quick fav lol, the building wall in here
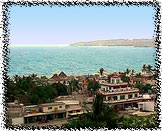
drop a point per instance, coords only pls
(15, 110)
(115, 80)
(53, 108)
(146, 106)
(73, 111)
(126, 96)
(18, 121)
(104, 88)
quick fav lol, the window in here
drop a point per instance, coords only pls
(136, 95)
(117, 81)
(113, 81)
(122, 97)
(49, 108)
(115, 98)
(138, 82)
(129, 96)
(102, 89)
(56, 108)
(104, 98)
(109, 98)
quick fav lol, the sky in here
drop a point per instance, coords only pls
(45, 25)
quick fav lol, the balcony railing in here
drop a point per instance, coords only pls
(125, 100)
(113, 84)
(118, 91)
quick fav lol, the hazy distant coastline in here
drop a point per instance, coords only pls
(118, 42)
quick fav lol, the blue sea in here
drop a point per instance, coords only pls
(77, 60)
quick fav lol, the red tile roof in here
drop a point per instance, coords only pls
(114, 76)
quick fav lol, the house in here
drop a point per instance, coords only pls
(20, 115)
(52, 107)
(47, 112)
(146, 106)
(57, 79)
(15, 113)
(119, 93)
(142, 79)
(31, 109)
(73, 106)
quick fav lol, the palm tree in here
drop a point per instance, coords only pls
(138, 75)
(101, 71)
(133, 72)
(101, 116)
(33, 76)
(127, 71)
(104, 113)
(149, 68)
(16, 78)
(143, 68)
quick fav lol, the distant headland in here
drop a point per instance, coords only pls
(118, 42)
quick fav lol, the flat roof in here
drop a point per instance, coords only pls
(31, 106)
(44, 113)
(69, 102)
(52, 104)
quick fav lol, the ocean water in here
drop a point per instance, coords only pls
(77, 60)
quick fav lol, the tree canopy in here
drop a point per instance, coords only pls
(33, 90)
(93, 86)
(145, 88)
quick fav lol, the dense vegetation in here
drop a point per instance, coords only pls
(145, 88)
(73, 86)
(33, 90)
(140, 122)
(125, 79)
(93, 86)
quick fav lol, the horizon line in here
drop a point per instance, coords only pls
(49, 45)
(34, 45)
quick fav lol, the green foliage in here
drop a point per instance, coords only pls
(34, 99)
(127, 71)
(80, 124)
(54, 75)
(104, 113)
(73, 85)
(36, 90)
(101, 71)
(145, 88)
(93, 86)
(125, 79)
(11, 92)
(139, 122)
(61, 89)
